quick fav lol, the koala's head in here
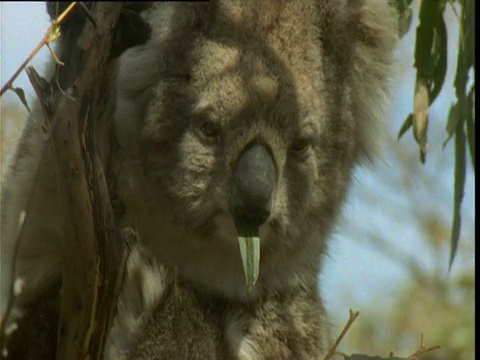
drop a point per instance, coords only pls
(252, 117)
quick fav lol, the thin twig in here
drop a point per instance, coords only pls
(61, 17)
(46, 39)
(23, 215)
(351, 319)
(422, 350)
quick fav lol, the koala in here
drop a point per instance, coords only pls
(235, 119)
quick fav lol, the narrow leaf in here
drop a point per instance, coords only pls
(453, 116)
(468, 26)
(430, 46)
(250, 252)
(459, 188)
(405, 126)
(439, 58)
(420, 118)
(21, 95)
(470, 121)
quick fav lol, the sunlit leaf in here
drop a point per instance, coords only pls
(431, 65)
(250, 252)
(431, 47)
(420, 118)
(426, 46)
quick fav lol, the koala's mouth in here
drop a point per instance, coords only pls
(251, 204)
(248, 238)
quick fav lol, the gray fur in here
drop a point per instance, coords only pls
(276, 72)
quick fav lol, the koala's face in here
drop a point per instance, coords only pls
(247, 132)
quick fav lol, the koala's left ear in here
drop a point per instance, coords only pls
(374, 28)
(362, 36)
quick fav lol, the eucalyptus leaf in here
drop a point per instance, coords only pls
(407, 124)
(452, 121)
(459, 188)
(470, 121)
(250, 252)
(469, 26)
(21, 95)
(439, 70)
(420, 118)
(431, 46)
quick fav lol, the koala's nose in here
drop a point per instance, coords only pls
(251, 200)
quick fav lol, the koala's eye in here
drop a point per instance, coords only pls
(208, 129)
(300, 146)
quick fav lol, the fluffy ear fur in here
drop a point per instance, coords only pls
(307, 81)
(359, 40)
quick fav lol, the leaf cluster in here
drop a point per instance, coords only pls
(431, 68)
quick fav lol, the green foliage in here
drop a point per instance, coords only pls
(431, 65)
(438, 306)
(463, 114)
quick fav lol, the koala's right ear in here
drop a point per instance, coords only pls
(132, 29)
(360, 37)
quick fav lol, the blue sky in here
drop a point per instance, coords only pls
(352, 267)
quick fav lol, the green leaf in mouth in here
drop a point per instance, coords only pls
(250, 251)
